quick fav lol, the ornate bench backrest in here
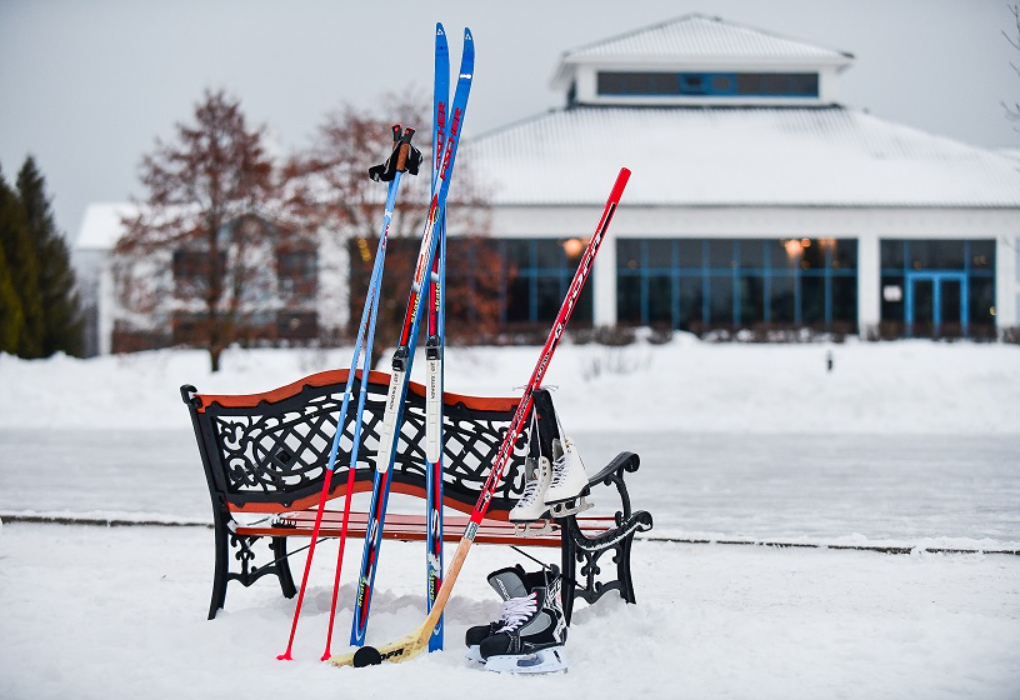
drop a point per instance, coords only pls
(269, 452)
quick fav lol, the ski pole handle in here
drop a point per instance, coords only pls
(404, 150)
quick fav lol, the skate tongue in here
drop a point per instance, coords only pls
(509, 582)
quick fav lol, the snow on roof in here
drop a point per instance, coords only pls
(1013, 153)
(101, 226)
(737, 156)
(699, 39)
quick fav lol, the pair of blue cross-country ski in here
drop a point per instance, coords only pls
(428, 282)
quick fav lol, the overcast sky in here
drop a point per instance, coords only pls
(86, 87)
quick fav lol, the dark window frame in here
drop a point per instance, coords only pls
(706, 84)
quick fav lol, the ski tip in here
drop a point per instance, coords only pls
(467, 35)
(439, 29)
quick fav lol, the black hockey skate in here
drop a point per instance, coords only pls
(532, 634)
(510, 583)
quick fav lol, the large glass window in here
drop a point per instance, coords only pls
(701, 284)
(536, 275)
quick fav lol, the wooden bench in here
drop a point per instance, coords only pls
(265, 456)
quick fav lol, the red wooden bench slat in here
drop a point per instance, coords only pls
(405, 527)
(339, 377)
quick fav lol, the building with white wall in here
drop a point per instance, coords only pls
(757, 200)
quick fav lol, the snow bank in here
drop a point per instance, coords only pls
(905, 387)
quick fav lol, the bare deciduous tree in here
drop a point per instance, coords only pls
(334, 193)
(213, 216)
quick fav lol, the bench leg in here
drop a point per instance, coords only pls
(568, 566)
(623, 574)
(578, 549)
(243, 548)
(279, 549)
(221, 570)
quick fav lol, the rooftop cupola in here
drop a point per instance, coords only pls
(698, 60)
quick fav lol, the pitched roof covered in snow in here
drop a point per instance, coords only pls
(101, 226)
(737, 157)
(700, 60)
(696, 40)
(696, 37)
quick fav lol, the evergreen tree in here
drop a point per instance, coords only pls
(22, 265)
(63, 323)
(11, 319)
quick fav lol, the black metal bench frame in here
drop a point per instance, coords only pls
(267, 453)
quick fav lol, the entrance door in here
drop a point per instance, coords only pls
(936, 304)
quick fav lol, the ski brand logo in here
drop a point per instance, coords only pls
(434, 522)
(391, 400)
(451, 142)
(440, 133)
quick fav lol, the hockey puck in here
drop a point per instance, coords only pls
(367, 656)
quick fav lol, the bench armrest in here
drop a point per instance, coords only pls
(613, 475)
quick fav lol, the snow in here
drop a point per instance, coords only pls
(101, 225)
(690, 386)
(909, 443)
(119, 613)
(763, 157)
(697, 38)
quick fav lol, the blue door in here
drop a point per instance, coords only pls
(936, 304)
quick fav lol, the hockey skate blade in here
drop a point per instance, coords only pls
(576, 497)
(551, 660)
(532, 528)
(572, 506)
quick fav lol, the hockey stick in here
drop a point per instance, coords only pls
(415, 643)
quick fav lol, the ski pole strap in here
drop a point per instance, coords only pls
(404, 159)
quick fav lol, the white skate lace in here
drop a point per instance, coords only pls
(559, 471)
(516, 611)
(530, 493)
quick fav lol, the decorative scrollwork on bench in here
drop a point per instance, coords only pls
(282, 448)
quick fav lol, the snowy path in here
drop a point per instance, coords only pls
(118, 613)
(935, 491)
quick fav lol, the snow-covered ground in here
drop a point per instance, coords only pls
(118, 614)
(907, 387)
(908, 443)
